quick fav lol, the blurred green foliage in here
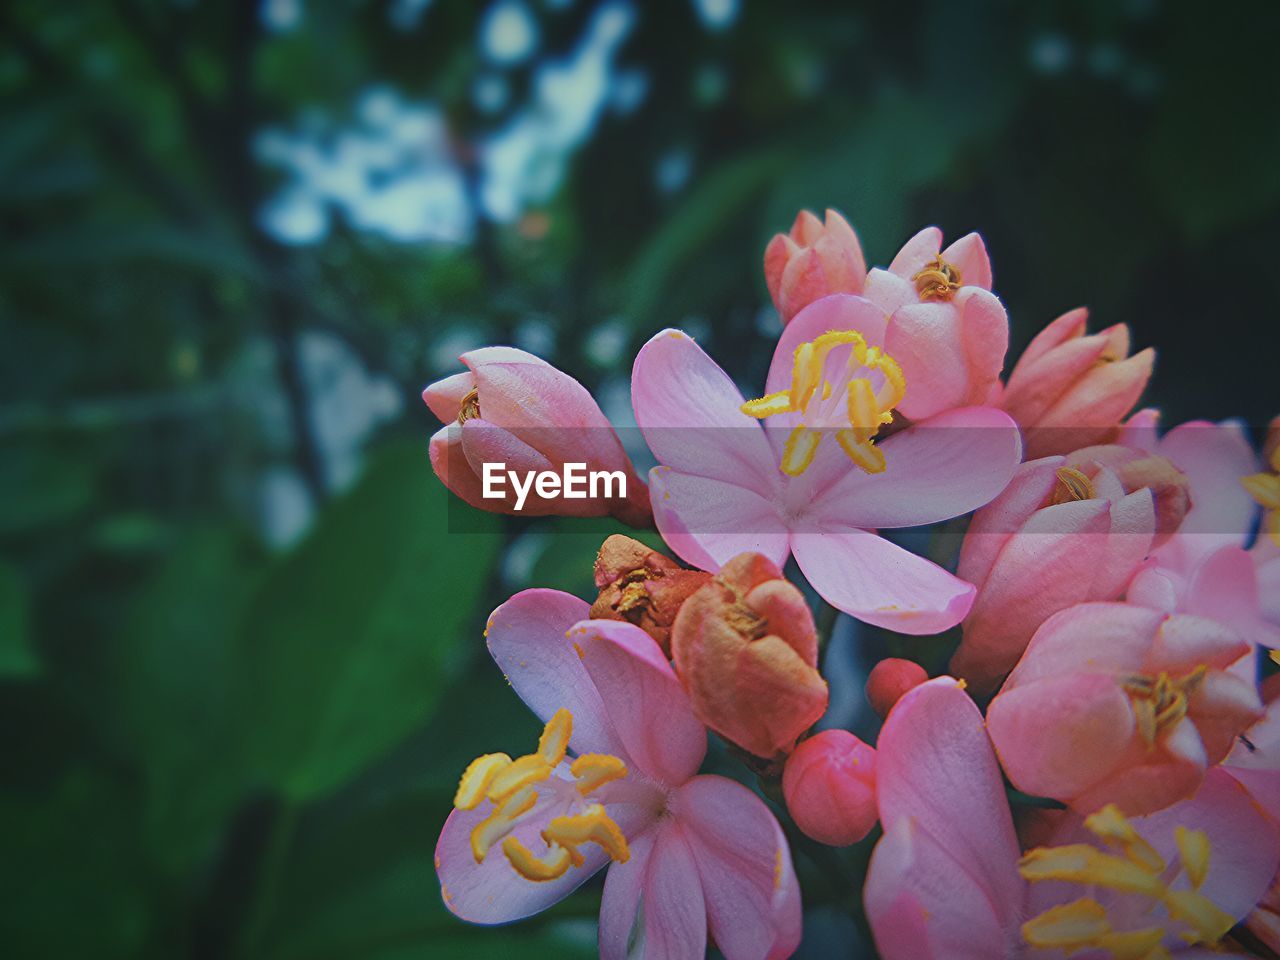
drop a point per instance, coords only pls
(225, 740)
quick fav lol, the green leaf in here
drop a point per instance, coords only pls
(173, 694)
(351, 639)
(17, 660)
(69, 886)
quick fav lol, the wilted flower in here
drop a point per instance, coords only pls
(830, 787)
(746, 649)
(1115, 703)
(641, 586)
(509, 407)
(614, 777)
(813, 260)
(1069, 390)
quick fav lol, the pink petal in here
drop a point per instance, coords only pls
(836, 312)
(1224, 707)
(1214, 457)
(526, 637)
(947, 465)
(878, 582)
(1183, 642)
(646, 706)
(654, 901)
(993, 525)
(708, 522)
(1059, 736)
(1224, 586)
(690, 414)
(1098, 637)
(985, 329)
(925, 339)
(492, 892)
(449, 461)
(444, 397)
(1035, 385)
(969, 255)
(888, 291)
(936, 768)
(752, 897)
(923, 903)
(916, 252)
(1069, 326)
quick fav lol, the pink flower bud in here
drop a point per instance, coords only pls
(814, 260)
(1069, 390)
(643, 587)
(830, 787)
(746, 649)
(513, 408)
(889, 680)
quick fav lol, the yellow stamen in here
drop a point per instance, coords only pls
(594, 770)
(552, 864)
(1072, 485)
(864, 412)
(801, 446)
(500, 822)
(1193, 850)
(1111, 826)
(1160, 702)
(1141, 944)
(554, 741)
(768, 405)
(862, 452)
(521, 772)
(591, 826)
(1209, 922)
(1081, 863)
(939, 280)
(1265, 488)
(477, 778)
(469, 408)
(1069, 926)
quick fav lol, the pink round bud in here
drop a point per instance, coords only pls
(830, 787)
(889, 680)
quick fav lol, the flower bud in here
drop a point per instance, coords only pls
(889, 680)
(830, 787)
(814, 260)
(1170, 488)
(1069, 390)
(513, 408)
(746, 650)
(643, 587)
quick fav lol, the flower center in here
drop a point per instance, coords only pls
(1136, 869)
(939, 280)
(1265, 489)
(1072, 485)
(837, 383)
(510, 785)
(469, 409)
(1160, 702)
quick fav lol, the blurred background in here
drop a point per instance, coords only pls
(241, 663)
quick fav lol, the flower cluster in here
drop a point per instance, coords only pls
(1098, 776)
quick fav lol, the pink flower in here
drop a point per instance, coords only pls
(1054, 538)
(511, 407)
(1254, 761)
(813, 260)
(830, 786)
(1069, 390)
(726, 486)
(1264, 486)
(946, 328)
(746, 650)
(1115, 703)
(946, 881)
(692, 855)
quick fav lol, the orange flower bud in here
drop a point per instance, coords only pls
(746, 649)
(641, 586)
(889, 680)
(830, 787)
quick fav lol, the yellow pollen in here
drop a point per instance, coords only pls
(1083, 924)
(1072, 485)
(1265, 489)
(469, 408)
(939, 280)
(512, 787)
(862, 395)
(1160, 702)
